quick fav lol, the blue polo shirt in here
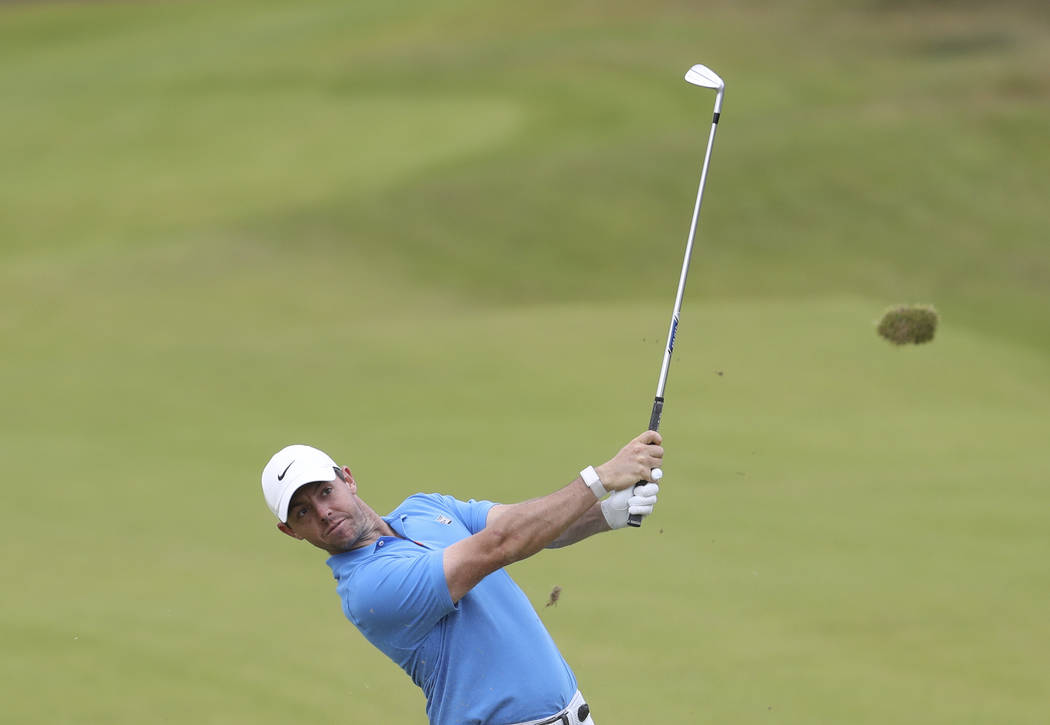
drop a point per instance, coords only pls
(486, 660)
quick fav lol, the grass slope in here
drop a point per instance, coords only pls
(440, 242)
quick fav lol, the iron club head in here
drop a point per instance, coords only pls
(701, 75)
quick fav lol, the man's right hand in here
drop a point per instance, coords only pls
(635, 462)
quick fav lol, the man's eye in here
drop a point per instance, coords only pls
(327, 490)
(300, 513)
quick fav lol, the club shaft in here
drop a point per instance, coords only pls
(665, 367)
(673, 330)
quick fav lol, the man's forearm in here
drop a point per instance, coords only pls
(526, 528)
(512, 533)
(592, 522)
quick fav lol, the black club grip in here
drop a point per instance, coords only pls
(635, 520)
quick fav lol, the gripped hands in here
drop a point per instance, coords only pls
(635, 462)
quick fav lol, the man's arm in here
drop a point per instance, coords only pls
(610, 514)
(592, 522)
(518, 531)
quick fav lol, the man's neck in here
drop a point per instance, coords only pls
(377, 529)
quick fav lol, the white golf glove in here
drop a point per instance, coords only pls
(621, 504)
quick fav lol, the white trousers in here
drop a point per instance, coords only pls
(568, 716)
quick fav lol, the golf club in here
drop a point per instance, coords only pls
(698, 75)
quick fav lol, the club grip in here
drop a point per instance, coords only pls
(635, 520)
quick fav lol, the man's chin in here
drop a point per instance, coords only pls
(341, 545)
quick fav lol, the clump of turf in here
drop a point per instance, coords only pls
(906, 324)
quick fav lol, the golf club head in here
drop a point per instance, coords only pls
(701, 75)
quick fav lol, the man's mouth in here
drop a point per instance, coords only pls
(333, 527)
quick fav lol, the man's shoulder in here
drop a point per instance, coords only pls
(423, 502)
(470, 515)
(433, 498)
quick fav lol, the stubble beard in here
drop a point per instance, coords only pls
(357, 538)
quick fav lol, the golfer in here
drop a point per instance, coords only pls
(426, 583)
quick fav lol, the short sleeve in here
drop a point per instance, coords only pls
(399, 598)
(472, 514)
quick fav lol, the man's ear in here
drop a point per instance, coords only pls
(286, 529)
(349, 478)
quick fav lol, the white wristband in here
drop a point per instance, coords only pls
(590, 477)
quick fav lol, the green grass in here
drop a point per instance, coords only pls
(441, 242)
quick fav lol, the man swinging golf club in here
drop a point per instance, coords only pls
(426, 583)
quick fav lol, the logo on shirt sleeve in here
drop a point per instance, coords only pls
(443, 520)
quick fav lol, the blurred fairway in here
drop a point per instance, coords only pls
(441, 242)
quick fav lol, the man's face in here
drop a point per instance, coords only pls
(328, 514)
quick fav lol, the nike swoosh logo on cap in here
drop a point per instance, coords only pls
(281, 477)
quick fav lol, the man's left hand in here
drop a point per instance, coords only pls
(621, 504)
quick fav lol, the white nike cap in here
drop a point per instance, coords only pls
(291, 468)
